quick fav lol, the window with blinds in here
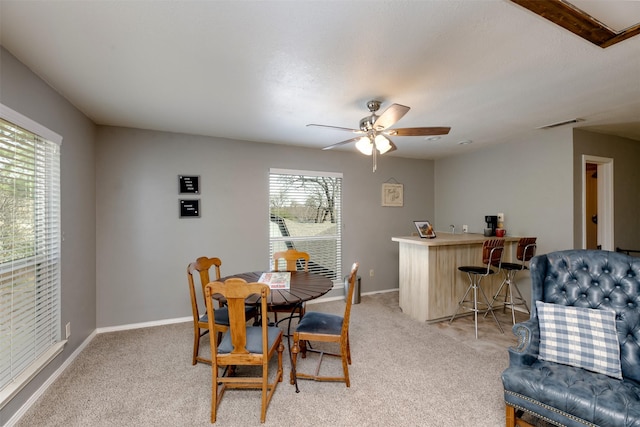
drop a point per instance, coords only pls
(305, 213)
(29, 253)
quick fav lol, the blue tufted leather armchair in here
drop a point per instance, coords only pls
(565, 395)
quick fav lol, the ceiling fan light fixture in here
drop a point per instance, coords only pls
(365, 146)
(382, 144)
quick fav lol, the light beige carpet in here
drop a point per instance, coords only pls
(404, 373)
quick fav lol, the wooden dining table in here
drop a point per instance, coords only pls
(304, 286)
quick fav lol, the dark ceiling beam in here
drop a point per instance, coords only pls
(578, 22)
(623, 35)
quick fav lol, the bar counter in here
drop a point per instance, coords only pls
(429, 280)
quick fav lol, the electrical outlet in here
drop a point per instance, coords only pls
(67, 331)
(371, 273)
(500, 217)
(465, 228)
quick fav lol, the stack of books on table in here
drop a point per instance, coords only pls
(277, 279)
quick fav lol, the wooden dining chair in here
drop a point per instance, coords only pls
(295, 260)
(202, 266)
(325, 327)
(200, 323)
(242, 345)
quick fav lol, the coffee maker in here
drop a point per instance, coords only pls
(492, 224)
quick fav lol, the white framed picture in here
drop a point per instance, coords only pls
(425, 229)
(392, 194)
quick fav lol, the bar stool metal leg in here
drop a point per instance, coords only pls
(509, 285)
(474, 286)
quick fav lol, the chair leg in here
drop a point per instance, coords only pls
(475, 306)
(294, 357)
(510, 416)
(461, 303)
(475, 282)
(345, 363)
(509, 284)
(510, 297)
(280, 354)
(490, 308)
(348, 350)
(519, 297)
(505, 281)
(265, 388)
(196, 345)
(214, 392)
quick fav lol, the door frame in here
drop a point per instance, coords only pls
(605, 201)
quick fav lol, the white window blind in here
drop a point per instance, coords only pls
(29, 252)
(305, 213)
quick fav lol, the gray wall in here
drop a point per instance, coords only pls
(144, 247)
(24, 92)
(529, 180)
(626, 181)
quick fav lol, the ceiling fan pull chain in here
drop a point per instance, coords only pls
(375, 157)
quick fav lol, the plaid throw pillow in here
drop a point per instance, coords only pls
(581, 337)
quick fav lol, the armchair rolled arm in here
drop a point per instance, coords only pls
(526, 351)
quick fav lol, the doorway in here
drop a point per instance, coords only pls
(597, 203)
(591, 206)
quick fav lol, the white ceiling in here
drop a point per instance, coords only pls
(262, 70)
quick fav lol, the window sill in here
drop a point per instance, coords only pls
(10, 391)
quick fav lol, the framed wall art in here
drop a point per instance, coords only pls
(425, 229)
(189, 184)
(190, 208)
(392, 194)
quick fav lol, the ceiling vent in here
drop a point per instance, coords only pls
(555, 125)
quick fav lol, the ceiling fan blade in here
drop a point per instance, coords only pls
(336, 128)
(418, 131)
(337, 144)
(390, 116)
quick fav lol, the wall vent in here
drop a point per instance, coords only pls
(555, 125)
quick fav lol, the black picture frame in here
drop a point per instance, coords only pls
(189, 184)
(425, 229)
(189, 208)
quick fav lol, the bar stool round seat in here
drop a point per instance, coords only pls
(476, 270)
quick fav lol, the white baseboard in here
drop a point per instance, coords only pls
(341, 297)
(144, 324)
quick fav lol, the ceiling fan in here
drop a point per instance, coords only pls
(374, 130)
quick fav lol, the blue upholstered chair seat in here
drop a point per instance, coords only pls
(254, 339)
(222, 315)
(565, 394)
(320, 323)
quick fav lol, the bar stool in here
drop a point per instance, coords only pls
(525, 251)
(491, 256)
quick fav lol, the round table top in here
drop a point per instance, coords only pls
(305, 286)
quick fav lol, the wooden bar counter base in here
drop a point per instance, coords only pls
(430, 283)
